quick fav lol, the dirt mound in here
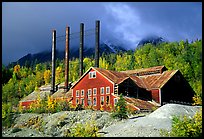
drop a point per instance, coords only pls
(170, 110)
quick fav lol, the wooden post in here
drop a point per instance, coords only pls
(67, 59)
(53, 61)
(81, 48)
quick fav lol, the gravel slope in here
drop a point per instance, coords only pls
(55, 125)
(150, 125)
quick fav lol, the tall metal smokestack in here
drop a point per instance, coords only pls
(67, 59)
(81, 48)
(97, 43)
(53, 60)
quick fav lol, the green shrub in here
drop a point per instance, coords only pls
(88, 130)
(7, 114)
(185, 127)
(120, 109)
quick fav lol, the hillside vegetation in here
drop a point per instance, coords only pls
(18, 82)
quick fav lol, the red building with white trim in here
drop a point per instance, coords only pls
(101, 88)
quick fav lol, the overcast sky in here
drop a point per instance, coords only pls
(27, 26)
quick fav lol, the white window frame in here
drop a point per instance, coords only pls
(76, 100)
(102, 99)
(81, 92)
(81, 101)
(109, 90)
(89, 100)
(101, 90)
(90, 92)
(92, 74)
(95, 102)
(108, 100)
(94, 94)
(77, 93)
(115, 101)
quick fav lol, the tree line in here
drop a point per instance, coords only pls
(19, 81)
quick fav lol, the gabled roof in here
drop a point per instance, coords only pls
(148, 78)
(153, 81)
(113, 76)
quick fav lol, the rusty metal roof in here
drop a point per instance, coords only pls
(149, 81)
(153, 81)
(114, 76)
(146, 71)
(141, 104)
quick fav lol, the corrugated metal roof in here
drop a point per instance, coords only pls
(156, 69)
(153, 81)
(114, 76)
(141, 104)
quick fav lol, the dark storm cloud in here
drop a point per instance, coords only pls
(27, 26)
(173, 21)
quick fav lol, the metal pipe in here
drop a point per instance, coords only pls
(67, 59)
(81, 49)
(53, 61)
(97, 43)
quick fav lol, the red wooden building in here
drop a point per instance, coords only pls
(142, 89)
(101, 88)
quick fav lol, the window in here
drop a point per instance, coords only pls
(92, 74)
(89, 92)
(77, 93)
(82, 92)
(107, 90)
(82, 101)
(102, 100)
(94, 101)
(77, 101)
(89, 101)
(115, 101)
(102, 90)
(94, 91)
(107, 99)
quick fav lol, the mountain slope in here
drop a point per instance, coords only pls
(46, 56)
(153, 39)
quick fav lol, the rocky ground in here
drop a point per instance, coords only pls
(151, 124)
(56, 125)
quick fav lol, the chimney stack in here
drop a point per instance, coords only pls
(67, 59)
(81, 48)
(53, 61)
(97, 43)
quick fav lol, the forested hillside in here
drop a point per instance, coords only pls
(18, 82)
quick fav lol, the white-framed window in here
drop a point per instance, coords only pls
(108, 90)
(107, 99)
(89, 92)
(77, 93)
(92, 74)
(94, 91)
(82, 101)
(115, 101)
(77, 100)
(94, 101)
(102, 100)
(82, 92)
(102, 90)
(89, 101)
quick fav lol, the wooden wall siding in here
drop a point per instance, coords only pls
(155, 95)
(98, 82)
